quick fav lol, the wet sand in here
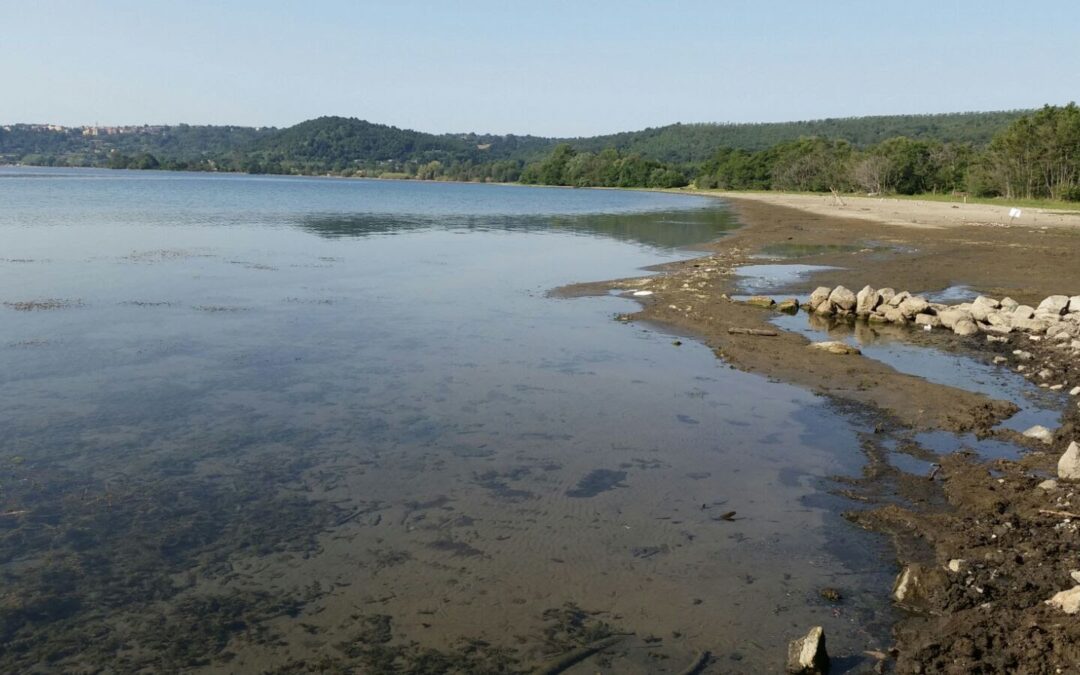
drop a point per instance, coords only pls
(990, 616)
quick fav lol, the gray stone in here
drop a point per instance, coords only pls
(820, 295)
(1069, 463)
(894, 315)
(826, 308)
(1055, 304)
(789, 306)
(887, 294)
(913, 305)
(1040, 433)
(950, 317)
(927, 320)
(866, 301)
(835, 347)
(964, 328)
(760, 301)
(982, 306)
(895, 300)
(807, 655)
(1049, 485)
(1067, 601)
(1030, 325)
(1023, 312)
(1008, 304)
(1074, 304)
(842, 298)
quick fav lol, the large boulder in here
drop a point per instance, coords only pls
(1055, 304)
(913, 305)
(807, 655)
(950, 317)
(927, 320)
(965, 327)
(1074, 304)
(895, 300)
(820, 295)
(887, 294)
(843, 298)
(894, 315)
(1030, 325)
(866, 301)
(1023, 312)
(1069, 464)
(982, 306)
(1008, 304)
(826, 308)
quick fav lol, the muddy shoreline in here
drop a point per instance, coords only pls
(988, 545)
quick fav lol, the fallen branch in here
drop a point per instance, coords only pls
(1065, 514)
(578, 655)
(762, 332)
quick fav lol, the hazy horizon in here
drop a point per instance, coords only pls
(557, 70)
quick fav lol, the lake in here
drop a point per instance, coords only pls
(288, 424)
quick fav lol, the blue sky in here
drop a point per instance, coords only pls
(550, 68)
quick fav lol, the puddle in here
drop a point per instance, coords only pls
(944, 443)
(952, 295)
(765, 279)
(887, 344)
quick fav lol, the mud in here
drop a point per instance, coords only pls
(1017, 543)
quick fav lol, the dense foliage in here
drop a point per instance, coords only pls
(1010, 154)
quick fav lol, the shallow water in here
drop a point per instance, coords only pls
(256, 415)
(764, 279)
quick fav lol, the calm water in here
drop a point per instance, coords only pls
(256, 423)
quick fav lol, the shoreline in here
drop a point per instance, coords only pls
(987, 514)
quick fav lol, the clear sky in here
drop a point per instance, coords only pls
(540, 67)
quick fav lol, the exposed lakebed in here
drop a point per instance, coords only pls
(250, 422)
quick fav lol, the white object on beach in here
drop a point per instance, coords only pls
(1014, 213)
(641, 294)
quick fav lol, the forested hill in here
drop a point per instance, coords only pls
(694, 143)
(339, 144)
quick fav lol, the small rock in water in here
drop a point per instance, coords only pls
(1040, 433)
(835, 347)
(1067, 601)
(789, 306)
(842, 298)
(1069, 464)
(820, 295)
(807, 655)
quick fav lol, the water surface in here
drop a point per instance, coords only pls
(255, 421)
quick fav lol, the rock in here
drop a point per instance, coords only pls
(996, 339)
(1040, 433)
(826, 308)
(1069, 464)
(789, 306)
(950, 317)
(916, 584)
(1000, 359)
(1048, 485)
(887, 294)
(927, 320)
(760, 301)
(914, 305)
(1030, 325)
(996, 318)
(820, 295)
(1021, 355)
(955, 565)
(1075, 391)
(807, 655)
(1074, 304)
(964, 328)
(894, 315)
(895, 300)
(982, 306)
(1055, 304)
(877, 318)
(1008, 304)
(1067, 601)
(1075, 576)
(842, 298)
(835, 347)
(866, 301)
(1023, 312)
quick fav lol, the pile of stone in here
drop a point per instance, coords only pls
(1057, 317)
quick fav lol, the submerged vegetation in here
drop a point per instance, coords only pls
(1033, 155)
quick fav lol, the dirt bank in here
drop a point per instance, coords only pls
(1016, 542)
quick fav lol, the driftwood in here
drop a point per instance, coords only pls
(1065, 514)
(697, 665)
(761, 332)
(578, 655)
